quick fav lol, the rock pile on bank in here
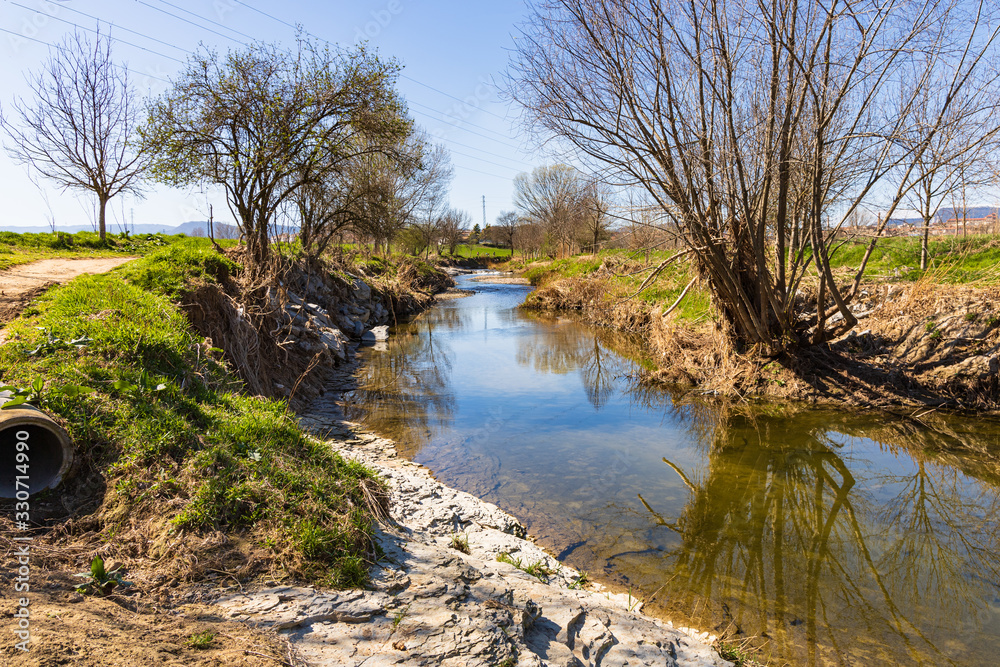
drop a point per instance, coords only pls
(434, 604)
(324, 320)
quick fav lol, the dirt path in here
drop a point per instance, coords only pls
(21, 284)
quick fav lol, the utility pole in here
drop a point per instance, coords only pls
(484, 211)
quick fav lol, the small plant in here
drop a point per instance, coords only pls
(100, 581)
(35, 394)
(398, 618)
(930, 326)
(992, 320)
(52, 344)
(201, 640)
(510, 560)
(581, 581)
(739, 653)
(538, 569)
(971, 316)
(147, 386)
(637, 600)
(460, 542)
(936, 334)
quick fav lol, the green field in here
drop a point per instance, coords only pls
(473, 251)
(953, 259)
(16, 248)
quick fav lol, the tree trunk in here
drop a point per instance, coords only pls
(102, 205)
(924, 244)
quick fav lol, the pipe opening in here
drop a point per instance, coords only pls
(46, 453)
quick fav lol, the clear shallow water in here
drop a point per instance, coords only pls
(834, 538)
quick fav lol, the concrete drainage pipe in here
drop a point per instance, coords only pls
(29, 437)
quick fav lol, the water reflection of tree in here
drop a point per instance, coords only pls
(405, 393)
(798, 542)
(562, 346)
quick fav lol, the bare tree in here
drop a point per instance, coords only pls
(759, 127)
(264, 121)
(454, 227)
(506, 229)
(429, 187)
(399, 188)
(552, 196)
(956, 158)
(529, 237)
(595, 218)
(80, 130)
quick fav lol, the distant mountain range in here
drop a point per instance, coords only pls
(192, 228)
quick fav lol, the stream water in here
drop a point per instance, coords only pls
(830, 537)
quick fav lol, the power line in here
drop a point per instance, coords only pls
(116, 39)
(208, 20)
(476, 157)
(485, 152)
(485, 129)
(190, 22)
(441, 92)
(62, 48)
(274, 18)
(456, 125)
(215, 32)
(403, 76)
(99, 20)
(485, 173)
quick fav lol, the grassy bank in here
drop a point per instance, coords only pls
(929, 338)
(178, 466)
(614, 280)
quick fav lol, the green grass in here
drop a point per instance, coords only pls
(663, 291)
(460, 542)
(737, 652)
(201, 640)
(953, 259)
(16, 248)
(195, 457)
(539, 570)
(472, 251)
(179, 266)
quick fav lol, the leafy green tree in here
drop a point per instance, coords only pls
(264, 122)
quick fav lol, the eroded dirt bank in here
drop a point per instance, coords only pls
(917, 345)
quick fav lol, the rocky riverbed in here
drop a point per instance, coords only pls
(434, 604)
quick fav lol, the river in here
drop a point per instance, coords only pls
(826, 537)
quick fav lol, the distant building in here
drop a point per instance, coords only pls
(990, 219)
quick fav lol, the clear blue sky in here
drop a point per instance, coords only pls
(453, 54)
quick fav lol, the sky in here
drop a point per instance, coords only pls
(453, 55)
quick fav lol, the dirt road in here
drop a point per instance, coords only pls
(21, 284)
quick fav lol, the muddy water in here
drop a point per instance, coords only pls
(828, 537)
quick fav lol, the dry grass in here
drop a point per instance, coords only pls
(929, 343)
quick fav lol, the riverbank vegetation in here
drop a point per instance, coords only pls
(182, 472)
(931, 337)
(759, 177)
